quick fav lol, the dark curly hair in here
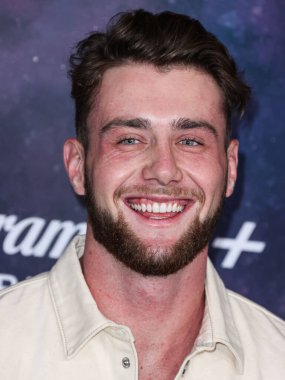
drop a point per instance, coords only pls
(164, 40)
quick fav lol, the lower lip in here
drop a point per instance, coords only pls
(159, 216)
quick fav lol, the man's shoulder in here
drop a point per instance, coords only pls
(28, 290)
(255, 321)
(23, 297)
(26, 314)
(254, 309)
(245, 315)
(24, 286)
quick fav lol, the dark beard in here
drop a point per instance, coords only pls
(125, 246)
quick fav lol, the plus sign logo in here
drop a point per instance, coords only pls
(241, 243)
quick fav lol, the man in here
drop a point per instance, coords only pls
(137, 298)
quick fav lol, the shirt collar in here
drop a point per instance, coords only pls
(218, 325)
(78, 316)
(80, 319)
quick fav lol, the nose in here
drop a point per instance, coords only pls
(161, 166)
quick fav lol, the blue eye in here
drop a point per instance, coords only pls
(189, 142)
(129, 141)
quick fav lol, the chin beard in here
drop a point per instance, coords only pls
(120, 241)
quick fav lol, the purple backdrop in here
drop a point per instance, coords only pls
(39, 213)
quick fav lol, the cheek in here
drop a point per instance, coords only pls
(206, 168)
(110, 170)
(215, 187)
(208, 172)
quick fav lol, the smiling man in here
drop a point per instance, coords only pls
(137, 297)
(159, 171)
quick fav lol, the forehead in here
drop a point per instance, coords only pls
(142, 90)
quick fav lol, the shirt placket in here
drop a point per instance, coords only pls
(125, 356)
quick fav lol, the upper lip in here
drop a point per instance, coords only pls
(157, 199)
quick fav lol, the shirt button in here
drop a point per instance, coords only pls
(126, 362)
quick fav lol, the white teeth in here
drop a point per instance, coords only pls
(157, 208)
(169, 207)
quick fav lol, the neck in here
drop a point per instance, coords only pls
(174, 303)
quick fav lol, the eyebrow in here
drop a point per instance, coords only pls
(185, 123)
(141, 123)
(138, 123)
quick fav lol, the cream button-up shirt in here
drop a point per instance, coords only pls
(51, 329)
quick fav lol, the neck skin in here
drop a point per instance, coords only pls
(174, 303)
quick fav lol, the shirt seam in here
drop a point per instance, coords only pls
(58, 317)
(24, 283)
(209, 314)
(222, 338)
(136, 372)
(254, 305)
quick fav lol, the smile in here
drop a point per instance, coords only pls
(157, 207)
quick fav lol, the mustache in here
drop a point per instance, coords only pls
(142, 190)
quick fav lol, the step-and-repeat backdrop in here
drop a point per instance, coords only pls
(39, 213)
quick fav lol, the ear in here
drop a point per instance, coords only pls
(232, 157)
(73, 156)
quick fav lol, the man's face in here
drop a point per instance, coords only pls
(156, 170)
